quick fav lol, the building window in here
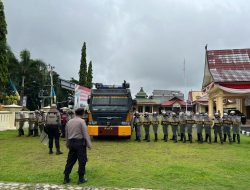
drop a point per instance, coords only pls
(148, 109)
(140, 109)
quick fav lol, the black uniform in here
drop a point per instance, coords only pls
(53, 122)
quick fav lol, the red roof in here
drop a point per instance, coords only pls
(229, 65)
(172, 101)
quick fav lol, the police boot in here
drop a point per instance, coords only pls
(148, 138)
(50, 151)
(19, 132)
(166, 139)
(145, 137)
(190, 138)
(221, 141)
(184, 138)
(81, 180)
(35, 133)
(156, 138)
(225, 137)
(30, 133)
(206, 138)
(209, 138)
(201, 137)
(66, 179)
(234, 136)
(215, 139)
(198, 137)
(181, 139)
(22, 131)
(138, 139)
(58, 152)
(238, 138)
(175, 139)
(230, 139)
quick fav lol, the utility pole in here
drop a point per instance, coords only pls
(50, 68)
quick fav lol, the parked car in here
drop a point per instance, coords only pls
(238, 113)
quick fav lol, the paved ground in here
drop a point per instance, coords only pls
(24, 186)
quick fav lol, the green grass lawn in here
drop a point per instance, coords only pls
(126, 163)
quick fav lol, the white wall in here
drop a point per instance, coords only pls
(7, 120)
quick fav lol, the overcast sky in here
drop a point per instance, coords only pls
(142, 41)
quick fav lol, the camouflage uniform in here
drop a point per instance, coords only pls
(227, 122)
(199, 127)
(182, 127)
(155, 124)
(146, 125)
(36, 123)
(41, 121)
(189, 125)
(236, 128)
(165, 123)
(207, 125)
(218, 129)
(31, 124)
(137, 122)
(174, 122)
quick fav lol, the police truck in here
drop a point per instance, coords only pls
(110, 111)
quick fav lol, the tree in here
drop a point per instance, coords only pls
(89, 75)
(83, 67)
(4, 74)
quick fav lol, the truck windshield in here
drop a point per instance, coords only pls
(110, 103)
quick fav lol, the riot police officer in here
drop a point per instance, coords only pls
(137, 122)
(41, 121)
(236, 126)
(189, 125)
(207, 125)
(182, 126)
(146, 124)
(217, 127)
(199, 126)
(165, 123)
(31, 124)
(227, 122)
(53, 122)
(174, 122)
(21, 124)
(155, 124)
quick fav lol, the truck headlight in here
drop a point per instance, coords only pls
(125, 123)
(93, 123)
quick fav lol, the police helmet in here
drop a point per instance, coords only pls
(154, 113)
(232, 112)
(225, 114)
(216, 114)
(173, 114)
(136, 113)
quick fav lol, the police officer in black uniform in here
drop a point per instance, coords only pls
(53, 122)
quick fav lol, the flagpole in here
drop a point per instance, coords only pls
(185, 81)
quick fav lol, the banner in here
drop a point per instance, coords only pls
(81, 96)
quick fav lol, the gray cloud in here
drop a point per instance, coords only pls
(142, 41)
